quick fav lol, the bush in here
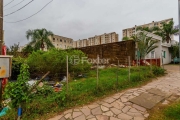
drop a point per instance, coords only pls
(54, 61)
(18, 91)
(16, 64)
(158, 71)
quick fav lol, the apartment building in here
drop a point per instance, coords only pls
(131, 31)
(97, 40)
(61, 42)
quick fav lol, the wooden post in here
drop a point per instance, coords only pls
(67, 74)
(129, 67)
(37, 83)
(151, 63)
(1, 26)
(117, 71)
(179, 28)
(162, 61)
(97, 71)
(156, 62)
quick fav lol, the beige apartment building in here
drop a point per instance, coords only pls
(61, 42)
(131, 31)
(97, 40)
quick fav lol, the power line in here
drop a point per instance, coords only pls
(31, 15)
(19, 8)
(15, 5)
(8, 3)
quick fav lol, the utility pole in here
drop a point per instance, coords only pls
(1, 26)
(179, 29)
(1, 43)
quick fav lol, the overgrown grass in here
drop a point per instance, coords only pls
(170, 112)
(84, 90)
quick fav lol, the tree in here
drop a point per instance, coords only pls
(40, 37)
(28, 49)
(148, 29)
(174, 50)
(125, 38)
(13, 50)
(145, 44)
(166, 31)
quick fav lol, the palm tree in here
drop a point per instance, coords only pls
(165, 32)
(145, 44)
(148, 29)
(40, 37)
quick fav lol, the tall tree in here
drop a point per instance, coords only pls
(40, 38)
(145, 44)
(166, 31)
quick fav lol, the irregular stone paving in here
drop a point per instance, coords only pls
(118, 107)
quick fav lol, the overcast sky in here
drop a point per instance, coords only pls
(79, 19)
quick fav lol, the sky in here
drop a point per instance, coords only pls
(81, 19)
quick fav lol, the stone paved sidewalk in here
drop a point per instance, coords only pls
(118, 107)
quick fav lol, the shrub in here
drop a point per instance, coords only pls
(158, 71)
(16, 64)
(18, 91)
(54, 61)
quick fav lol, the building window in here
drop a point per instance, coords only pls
(152, 54)
(164, 54)
(57, 44)
(53, 38)
(64, 40)
(60, 40)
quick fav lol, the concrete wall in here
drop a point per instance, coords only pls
(167, 57)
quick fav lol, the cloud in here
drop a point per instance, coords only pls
(79, 19)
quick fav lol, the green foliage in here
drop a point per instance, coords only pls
(158, 70)
(83, 91)
(13, 50)
(18, 91)
(174, 50)
(16, 65)
(54, 61)
(40, 38)
(166, 31)
(145, 44)
(28, 49)
(126, 38)
(173, 111)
